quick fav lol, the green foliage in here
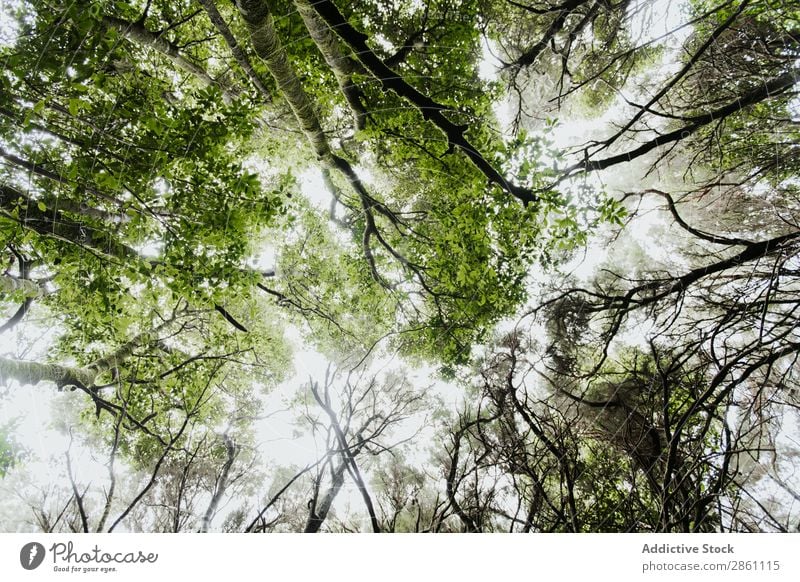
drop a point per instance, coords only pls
(613, 497)
(11, 453)
(139, 212)
(143, 171)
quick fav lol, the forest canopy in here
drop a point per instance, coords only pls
(392, 266)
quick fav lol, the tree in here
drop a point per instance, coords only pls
(355, 418)
(182, 184)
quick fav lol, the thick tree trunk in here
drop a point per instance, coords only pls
(53, 224)
(32, 373)
(268, 47)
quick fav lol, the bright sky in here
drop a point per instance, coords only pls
(276, 433)
(280, 441)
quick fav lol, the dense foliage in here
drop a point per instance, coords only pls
(196, 195)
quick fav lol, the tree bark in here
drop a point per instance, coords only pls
(138, 34)
(237, 52)
(268, 47)
(53, 224)
(319, 512)
(32, 373)
(221, 485)
(342, 65)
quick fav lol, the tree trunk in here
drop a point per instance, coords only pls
(268, 47)
(53, 224)
(429, 109)
(138, 34)
(32, 373)
(342, 65)
(237, 52)
(320, 511)
(221, 485)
